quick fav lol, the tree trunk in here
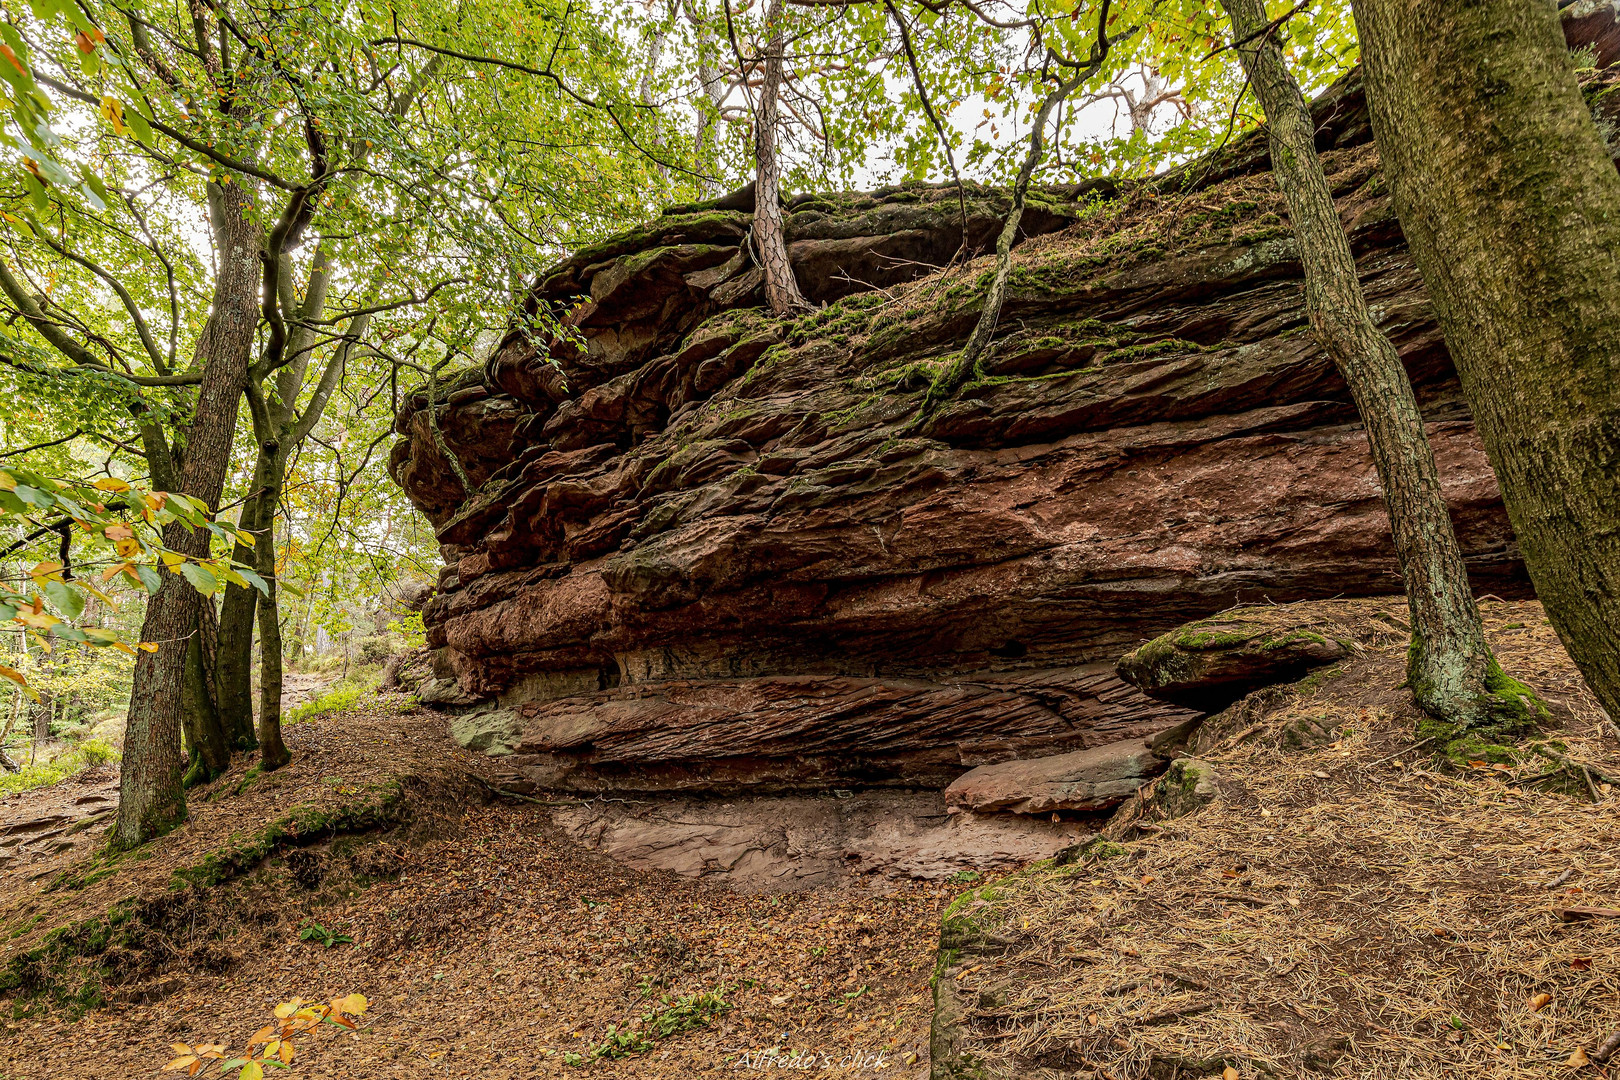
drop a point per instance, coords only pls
(43, 710)
(1450, 667)
(966, 364)
(781, 287)
(234, 667)
(1511, 204)
(151, 799)
(273, 753)
(209, 752)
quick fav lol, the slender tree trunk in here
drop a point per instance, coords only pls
(966, 364)
(1511, 204)
(1450, 667)
(234, 670)
(713, 86)
(781, 287)
(151, 799)
(273, 753)
(44, 709)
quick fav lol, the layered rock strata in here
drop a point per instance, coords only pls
(712, 549)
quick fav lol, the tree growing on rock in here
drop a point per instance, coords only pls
(1452, 672)
(1510, 200)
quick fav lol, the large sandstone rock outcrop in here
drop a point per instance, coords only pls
(712, 549)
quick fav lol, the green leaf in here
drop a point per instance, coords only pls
(200, 577)
(137, 123)
(34, 497)
(65, 598)
(36, 191)
(258, 582)
(150, 578)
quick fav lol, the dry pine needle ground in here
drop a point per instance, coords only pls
(1346, 910)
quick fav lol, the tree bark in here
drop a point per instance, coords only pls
(273, 753)
(781, 287)
(1511, 204)
(234, 666)
(209, 753)
(1450, 667)
(151, 799)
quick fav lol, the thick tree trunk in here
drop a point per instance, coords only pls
(781, 287)
(210, 754)
(234, 666)
(1451, 670)
(1511, 205)
(151, 799)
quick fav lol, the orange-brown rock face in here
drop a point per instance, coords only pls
(715, 549)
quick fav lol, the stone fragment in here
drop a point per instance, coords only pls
(1084, 780)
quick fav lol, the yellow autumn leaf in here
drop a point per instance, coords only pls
(12, 674)
(147, 646)
(1578, 1060)
(7, 482)
(246, 538)
(285, 1053)
(287, 1008)
(354, 1004)
(264, 1034)
(111, 483)
(253, 1071)
(181, 1062)
(112, 111)
(172, 559)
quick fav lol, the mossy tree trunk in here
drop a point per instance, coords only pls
(1511, 205)
(273, 752)
(210, 754)
(1450, 667)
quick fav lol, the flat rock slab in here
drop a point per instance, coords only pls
(1085, 780)
(787, 843)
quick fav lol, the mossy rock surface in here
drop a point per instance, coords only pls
(1211, 663)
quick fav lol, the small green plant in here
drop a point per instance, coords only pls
(678, 1015)
(619, 1044)
(314, 931)
(963, 877)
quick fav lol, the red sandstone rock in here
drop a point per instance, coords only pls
(713, 549)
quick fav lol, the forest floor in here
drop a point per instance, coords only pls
(488, 944)
(1350, 908)
(1349, 905)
